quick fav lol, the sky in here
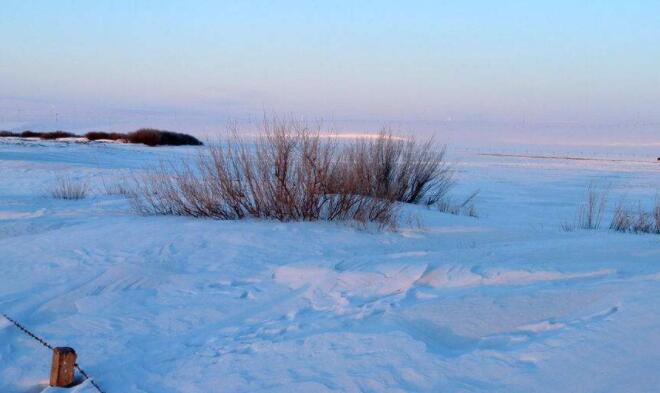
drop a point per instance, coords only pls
(514, 70)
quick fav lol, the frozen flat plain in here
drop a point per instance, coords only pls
(507, 302)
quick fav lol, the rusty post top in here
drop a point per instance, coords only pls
(64, 350)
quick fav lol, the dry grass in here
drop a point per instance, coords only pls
(467, 207)
(622, 219)
(590, 213)
(70, 189)
(643, 222)
(568, 226)
(116, 187)
(626, 219)
(291, 173)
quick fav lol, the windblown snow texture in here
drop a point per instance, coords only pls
(506, 302)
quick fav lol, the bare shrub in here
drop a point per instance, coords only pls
(290, 173)
(5, 134)
(67, 188)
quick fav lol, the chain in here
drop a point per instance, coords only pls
(84, 374)
(29, 333)
(45, 344)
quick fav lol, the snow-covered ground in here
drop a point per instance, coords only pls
(506, 302)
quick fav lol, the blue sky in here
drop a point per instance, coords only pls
(468, 66)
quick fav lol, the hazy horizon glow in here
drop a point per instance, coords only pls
(472, 68)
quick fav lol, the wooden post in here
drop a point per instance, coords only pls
(62, 370)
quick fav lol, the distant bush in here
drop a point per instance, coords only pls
(30, 134)
(97, 135)
(147, 136)
(56, 135)
(34, 134)
(154, 137)
(45, 135)
(67, 188)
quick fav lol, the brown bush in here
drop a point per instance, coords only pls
(30, 134)
(147, 136)
(56, 135)
(97, 135)
(154, 137)
(46, 135)
(291, 173)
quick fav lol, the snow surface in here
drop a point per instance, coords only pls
(506, 302)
